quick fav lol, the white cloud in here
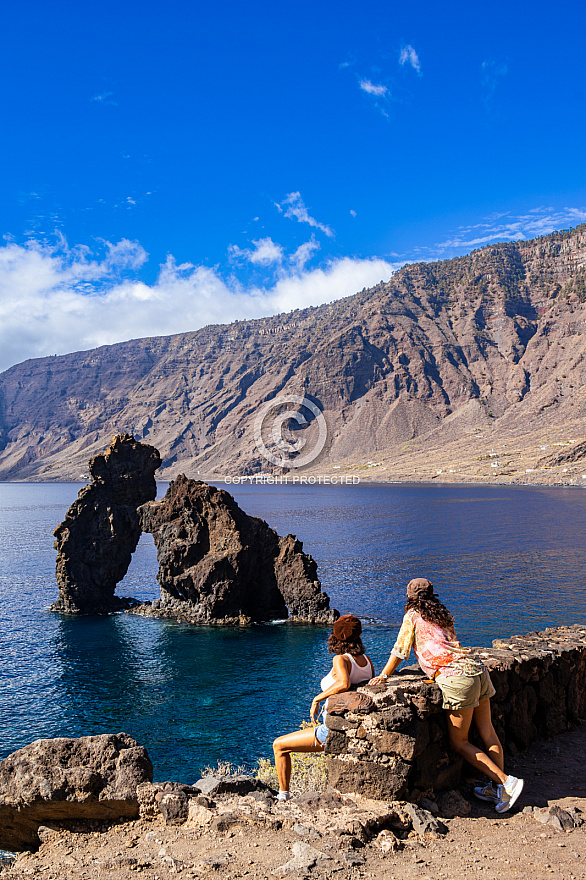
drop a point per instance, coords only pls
(367, 86)
(295, 208)
(340, 278)
(105, 98)
(409, 56)
(124, 255)
(265, 252)
(507, 227)
(491, 73)
(59, 299)
(304, 253)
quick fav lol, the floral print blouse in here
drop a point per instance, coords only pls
(437, 650)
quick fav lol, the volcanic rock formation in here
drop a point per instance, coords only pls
(101, 529)
(63, 780)
(217, 564)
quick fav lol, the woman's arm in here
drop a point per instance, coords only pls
(342, 683)
(401, 650)
(387, 670)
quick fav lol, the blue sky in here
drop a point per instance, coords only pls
(167, 166)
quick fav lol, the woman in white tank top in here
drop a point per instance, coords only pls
(350, 666)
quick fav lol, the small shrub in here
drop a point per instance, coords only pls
(224, 768)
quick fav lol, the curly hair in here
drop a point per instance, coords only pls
(432, 610)
(345, 646)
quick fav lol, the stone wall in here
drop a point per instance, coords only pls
(390, 741)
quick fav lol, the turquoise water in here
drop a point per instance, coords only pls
(504, 559)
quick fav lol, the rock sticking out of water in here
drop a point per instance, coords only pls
(217, 564)
(101, 529)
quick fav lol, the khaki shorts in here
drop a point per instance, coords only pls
(465, 691)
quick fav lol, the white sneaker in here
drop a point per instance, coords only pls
(508, 793)
(283, 796)
(487, 793)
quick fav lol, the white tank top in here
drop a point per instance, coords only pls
(358, 673)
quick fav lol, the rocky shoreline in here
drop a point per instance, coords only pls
(244, 835)
(402, 807)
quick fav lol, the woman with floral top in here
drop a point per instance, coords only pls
(428, 628)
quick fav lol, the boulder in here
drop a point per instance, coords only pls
(101, 529)
(558, 818)
(452, 804)
(236, 783)
(171, 799)
(217, 564)
(63, 780)
(304, 858)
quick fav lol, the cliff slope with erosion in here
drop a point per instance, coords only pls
(471, 367)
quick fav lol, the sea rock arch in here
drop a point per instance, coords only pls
(217, 564)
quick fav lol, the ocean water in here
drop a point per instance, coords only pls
(504, 560)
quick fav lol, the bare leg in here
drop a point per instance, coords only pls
(492, 744)
(299, 741)
(458, 729)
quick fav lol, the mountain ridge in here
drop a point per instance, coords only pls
(410, 374)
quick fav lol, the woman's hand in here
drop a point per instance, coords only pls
(392, 663)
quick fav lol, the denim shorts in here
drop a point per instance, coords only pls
(321, 732)
(465, 691)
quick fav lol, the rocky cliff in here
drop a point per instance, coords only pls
(473, 367)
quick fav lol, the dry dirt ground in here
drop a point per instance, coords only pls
(482, 844)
